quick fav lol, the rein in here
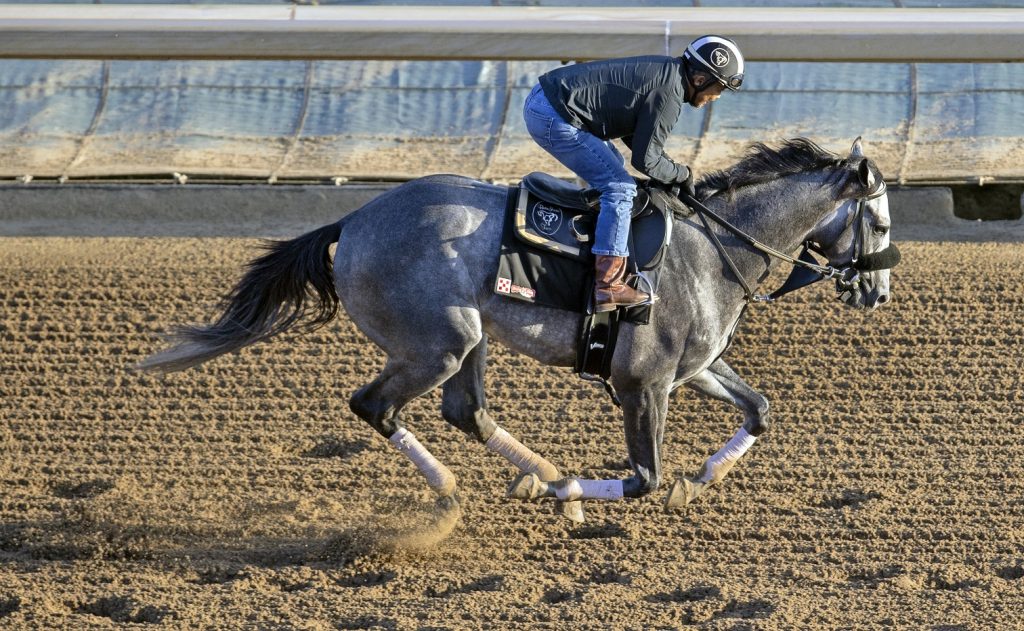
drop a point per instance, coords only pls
(845, 277)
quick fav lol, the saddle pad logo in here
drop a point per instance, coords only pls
(719, 57)
(506, 286)
(547, 219)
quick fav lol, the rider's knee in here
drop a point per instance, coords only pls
(619, 192)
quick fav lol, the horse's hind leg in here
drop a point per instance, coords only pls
(464, 405)
(379, 403)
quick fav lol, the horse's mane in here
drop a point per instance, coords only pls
(763, 163)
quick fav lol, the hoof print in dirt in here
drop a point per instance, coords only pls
(124, 609)
(696, 593)
(9, 606)
(82, 490)
(218, 575)
(698, 604)
(368, 622)
(1011, 572)
(600, 531)
(557, 595)
(490, 583)
(953, 579)
(757, 608)
(851, 498)
(873, 577)
(368, 579)
(610, 575)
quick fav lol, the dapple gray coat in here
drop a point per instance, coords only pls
(414, 269)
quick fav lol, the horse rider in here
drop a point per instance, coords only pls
(575, 111)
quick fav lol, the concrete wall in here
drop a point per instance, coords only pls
(918, 213)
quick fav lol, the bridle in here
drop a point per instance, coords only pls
(806, 269)
(858, 223)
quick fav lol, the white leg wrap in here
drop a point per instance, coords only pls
(438, 476)
(719, 464)
(574, 489)
(501, 442)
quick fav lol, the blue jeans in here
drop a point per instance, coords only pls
(597, 161)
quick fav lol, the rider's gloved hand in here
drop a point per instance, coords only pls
(686, 184)
(672, 188)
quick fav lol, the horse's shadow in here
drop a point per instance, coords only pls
(328, 446)
(62, 539)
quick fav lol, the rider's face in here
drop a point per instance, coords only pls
(708, 94)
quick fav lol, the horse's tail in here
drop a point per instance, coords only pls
(294, 279)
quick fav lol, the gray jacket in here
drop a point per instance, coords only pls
(637, 99)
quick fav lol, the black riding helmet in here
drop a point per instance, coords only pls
(718, 56)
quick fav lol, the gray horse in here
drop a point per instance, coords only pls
(414, 269)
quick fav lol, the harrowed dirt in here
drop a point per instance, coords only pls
(245, 494)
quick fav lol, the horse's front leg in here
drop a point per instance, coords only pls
(721, 382)
(644, 412)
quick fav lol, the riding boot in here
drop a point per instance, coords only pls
(610, 288)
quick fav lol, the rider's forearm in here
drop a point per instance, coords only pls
(662, 168)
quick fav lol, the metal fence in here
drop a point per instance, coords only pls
(400, 119)
(404, 119)
(966, 4)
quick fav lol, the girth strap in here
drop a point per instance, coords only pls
(595, 346)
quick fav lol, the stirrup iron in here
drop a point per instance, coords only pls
(648, 289)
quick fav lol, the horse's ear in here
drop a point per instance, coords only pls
(866, 175)
(857, 150)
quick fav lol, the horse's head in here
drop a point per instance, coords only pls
(856, 235)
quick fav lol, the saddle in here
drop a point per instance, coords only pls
(559, 217)
(545, 259)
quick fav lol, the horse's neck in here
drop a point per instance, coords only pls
(778, 214)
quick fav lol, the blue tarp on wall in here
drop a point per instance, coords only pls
(403, 119)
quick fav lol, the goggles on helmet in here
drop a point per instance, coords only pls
(734, 82)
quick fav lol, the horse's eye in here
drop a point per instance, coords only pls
(881, 230)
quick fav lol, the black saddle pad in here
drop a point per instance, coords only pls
(542, 260)
(567, 231)
(540, 276)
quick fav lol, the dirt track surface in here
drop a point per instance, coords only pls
(245, 494)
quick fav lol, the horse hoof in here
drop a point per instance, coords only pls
(572, 510)
(682, 493)
(444, 516)
(446, 505)
(527, 486)
(445, 486)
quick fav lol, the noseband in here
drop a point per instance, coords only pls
(875, 261)
(806, 269)
(849, 275)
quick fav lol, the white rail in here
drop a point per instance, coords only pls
(512, 33)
